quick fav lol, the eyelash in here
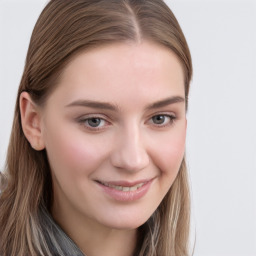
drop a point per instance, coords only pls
(84, 121)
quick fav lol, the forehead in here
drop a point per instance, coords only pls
(131, 69)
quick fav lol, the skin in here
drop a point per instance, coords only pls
(134, 141)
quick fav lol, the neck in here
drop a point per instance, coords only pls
(110, 243)
(94, 239)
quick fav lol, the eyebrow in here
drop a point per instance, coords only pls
(166, 102)
(112, 107)
(93, 104)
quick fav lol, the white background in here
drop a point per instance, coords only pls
(221, 144)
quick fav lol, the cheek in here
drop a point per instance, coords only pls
(74, 154)
(169, 154)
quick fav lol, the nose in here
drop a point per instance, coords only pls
(130, 153)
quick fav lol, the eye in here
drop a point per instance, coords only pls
(93, 123)
(162, 120)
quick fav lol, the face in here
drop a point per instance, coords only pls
(114, 131)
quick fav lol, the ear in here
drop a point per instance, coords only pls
(31, 121)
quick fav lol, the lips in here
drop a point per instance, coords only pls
(125, 191)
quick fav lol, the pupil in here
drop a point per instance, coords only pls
(158, 119)
(94, 122)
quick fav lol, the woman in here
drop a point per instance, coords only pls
(95, 163)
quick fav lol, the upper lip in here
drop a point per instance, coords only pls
(125, 183)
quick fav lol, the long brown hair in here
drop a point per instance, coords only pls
(63, 30)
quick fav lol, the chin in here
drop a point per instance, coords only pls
(126, 222)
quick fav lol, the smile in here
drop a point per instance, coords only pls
(123, 188)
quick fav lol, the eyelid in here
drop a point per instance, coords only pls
(163, 113)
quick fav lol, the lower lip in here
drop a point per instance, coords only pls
(120, 195)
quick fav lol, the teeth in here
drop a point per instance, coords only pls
(125, 189)
(133, 188)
